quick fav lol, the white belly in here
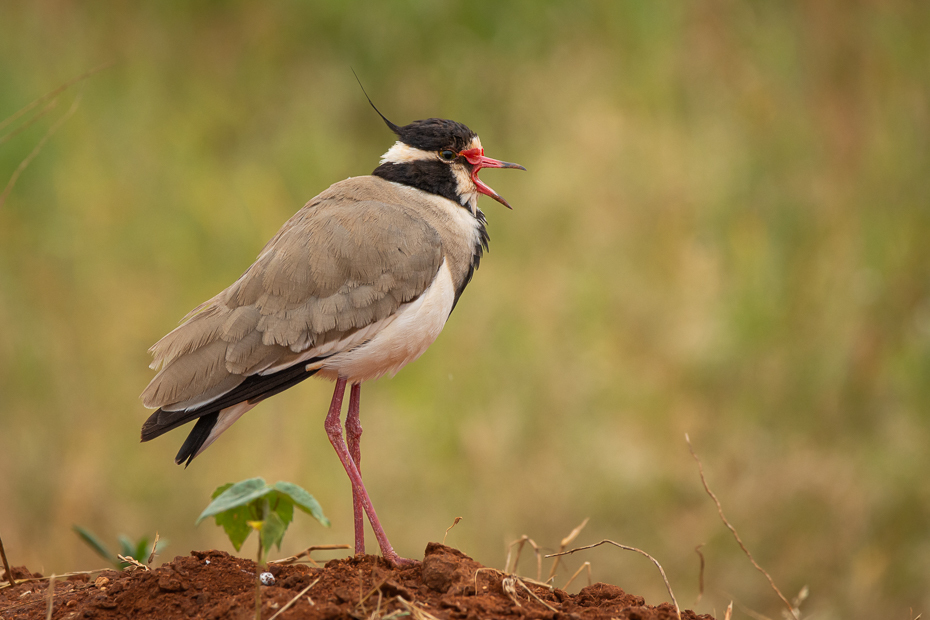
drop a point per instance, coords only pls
(404, 338)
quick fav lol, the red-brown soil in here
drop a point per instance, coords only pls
(214, 585)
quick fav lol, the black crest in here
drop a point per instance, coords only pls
(430, 134)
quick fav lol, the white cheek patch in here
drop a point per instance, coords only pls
(465, 187)
(402, 153)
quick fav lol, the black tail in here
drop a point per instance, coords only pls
(254, 389)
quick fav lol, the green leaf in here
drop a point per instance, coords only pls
(94, 543)
(219, 490)
(283, 505)
(236, 496)
(235, 521)
(126, 546)
(302, 500)
(272, 532)
(142, 549)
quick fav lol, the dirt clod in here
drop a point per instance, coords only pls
(216, 586)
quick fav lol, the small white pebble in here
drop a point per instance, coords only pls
(207, 561)
(267, 579)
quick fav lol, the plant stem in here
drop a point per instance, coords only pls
(6, 565)
(258, 580)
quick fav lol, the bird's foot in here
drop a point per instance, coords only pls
(399, 562)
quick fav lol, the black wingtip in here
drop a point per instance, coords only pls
(396, 129)
(196, 438)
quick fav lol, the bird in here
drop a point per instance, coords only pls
(354, 286)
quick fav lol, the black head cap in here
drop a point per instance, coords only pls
(432, 134)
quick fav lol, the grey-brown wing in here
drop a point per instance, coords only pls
(333, 268)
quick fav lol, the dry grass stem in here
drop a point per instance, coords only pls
(700, 595)
(578, 572)
(133, 562)
(154, 547)
(306, 552)
(668, 586)
(531, 593)
(476, 576)
(79, 572)
(6, 565)
(55, 92)
(51, 598)
(38, 147)
(542, 584)
(377, 588)
(519, 544)
(508, 583)
(732, 529)
(565, 543)
(454, 523)
(32, 121)
(800, 598)
(377, 612)
(755, 615)
(294, 600)
(729, 613)
(415, 612)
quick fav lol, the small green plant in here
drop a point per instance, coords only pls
(138, 550)
(253, 504)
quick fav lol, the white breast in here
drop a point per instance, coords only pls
(400, 340)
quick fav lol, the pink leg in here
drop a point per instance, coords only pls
(334, 432)
(353, 437)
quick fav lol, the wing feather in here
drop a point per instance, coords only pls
(337, 266)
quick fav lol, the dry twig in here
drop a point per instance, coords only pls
(154, 548)
(531, 593)
(668, 586)
(732, 529)
(510, 589)
(6, 565)
(415, 612)
(307, 552)
(564, 544)
(454, 523)
(700, 595)
(578, 572)
(51, 598)
(133, 562)
(377, 588)
(519, 544)
(294, 600)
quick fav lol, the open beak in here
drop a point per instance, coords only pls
(478, 161)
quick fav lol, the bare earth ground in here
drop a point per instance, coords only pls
(214, 585)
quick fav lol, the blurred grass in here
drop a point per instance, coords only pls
(723, 231)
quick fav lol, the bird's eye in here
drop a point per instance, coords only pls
(447, 155)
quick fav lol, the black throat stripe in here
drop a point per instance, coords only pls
(434, 177)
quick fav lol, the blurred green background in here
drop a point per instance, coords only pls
(723, 231)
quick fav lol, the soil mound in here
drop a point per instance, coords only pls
(214, 585)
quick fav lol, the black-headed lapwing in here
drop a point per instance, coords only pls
(358, 283)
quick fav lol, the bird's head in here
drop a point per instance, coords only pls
(441, 157)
